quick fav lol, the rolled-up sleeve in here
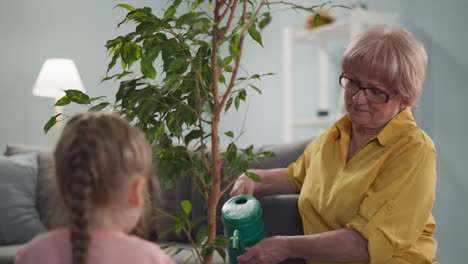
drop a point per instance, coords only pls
(398, 205)
(297, 172)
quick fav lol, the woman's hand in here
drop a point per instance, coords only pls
(243, 186)
(268, 251)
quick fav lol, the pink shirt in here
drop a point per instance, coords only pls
(106, 246)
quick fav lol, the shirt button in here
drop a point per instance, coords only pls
(389, 206)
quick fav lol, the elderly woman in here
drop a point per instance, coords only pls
(367, 183)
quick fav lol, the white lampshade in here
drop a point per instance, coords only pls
(57, 75)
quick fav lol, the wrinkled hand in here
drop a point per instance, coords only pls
(268, 251)
(243, 186)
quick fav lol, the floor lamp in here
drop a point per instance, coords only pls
(56, 76)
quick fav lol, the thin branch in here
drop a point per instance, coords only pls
(223, 15)
(225, 189)
(199, 188)
(231, 18)
(192, 242)
(200, 125)
(238, 60)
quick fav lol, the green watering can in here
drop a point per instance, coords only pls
(243, 224)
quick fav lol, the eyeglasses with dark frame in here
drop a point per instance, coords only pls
(372, 94)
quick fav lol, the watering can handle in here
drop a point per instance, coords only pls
(236, 243)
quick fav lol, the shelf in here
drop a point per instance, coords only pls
(337, 30)
(325, 121)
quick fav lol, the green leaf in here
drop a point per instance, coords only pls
(222, 79)
(255, 76)
(201, 233)
(51, 123)
(229, 134)
(253, 32)
(255, 88)
(207, 251)
(268, 154)
(237, 102)
(234, 47)
(195, 4)
(228, 104)
(174, 126)
(147, 68)
(99, 107)
(96, 98)
(170, 12)
(63, 101)
(316, 19)
(254, 177)
(128, 7)
(221, 240)
(172, 82)
(199, 26)
(77, 96)
(177, 227)
(187, 19)
(227, 61)
(177, 64)
(265, 21)
(186, 206)
(242, 94)
(222, 252)
(118, 76)
(308, 9)
(113, 61)
(192, 135)
(231, 152)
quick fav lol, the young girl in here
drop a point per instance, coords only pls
(102, 165)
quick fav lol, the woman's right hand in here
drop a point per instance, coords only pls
(243, 186)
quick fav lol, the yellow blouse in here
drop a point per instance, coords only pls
(385, 191)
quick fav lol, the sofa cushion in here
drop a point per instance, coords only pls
(19, 221)
(8, 253)
(52, 215)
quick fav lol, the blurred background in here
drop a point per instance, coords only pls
(33, 31)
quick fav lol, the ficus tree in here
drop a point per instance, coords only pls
(178, 73)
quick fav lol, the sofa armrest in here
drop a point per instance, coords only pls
(281, 218)
(8, 253)
(281, 215)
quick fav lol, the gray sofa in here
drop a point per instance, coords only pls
(280, 212)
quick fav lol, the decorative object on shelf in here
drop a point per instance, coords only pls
(57, 76)
(321, 17)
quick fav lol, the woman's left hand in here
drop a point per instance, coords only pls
(268, 251)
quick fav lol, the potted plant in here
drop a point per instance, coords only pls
(179, 73)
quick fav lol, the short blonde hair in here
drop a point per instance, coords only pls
(393, 54)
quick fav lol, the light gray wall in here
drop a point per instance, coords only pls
(32, 31)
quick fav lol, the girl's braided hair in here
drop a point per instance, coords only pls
(95, 155)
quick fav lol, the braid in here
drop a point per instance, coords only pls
(79, 185)
(80, 196)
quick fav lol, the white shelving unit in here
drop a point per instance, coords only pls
(320, 37)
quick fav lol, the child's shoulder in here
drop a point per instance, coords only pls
(140, 249)
(44, 246)
(51, 237)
